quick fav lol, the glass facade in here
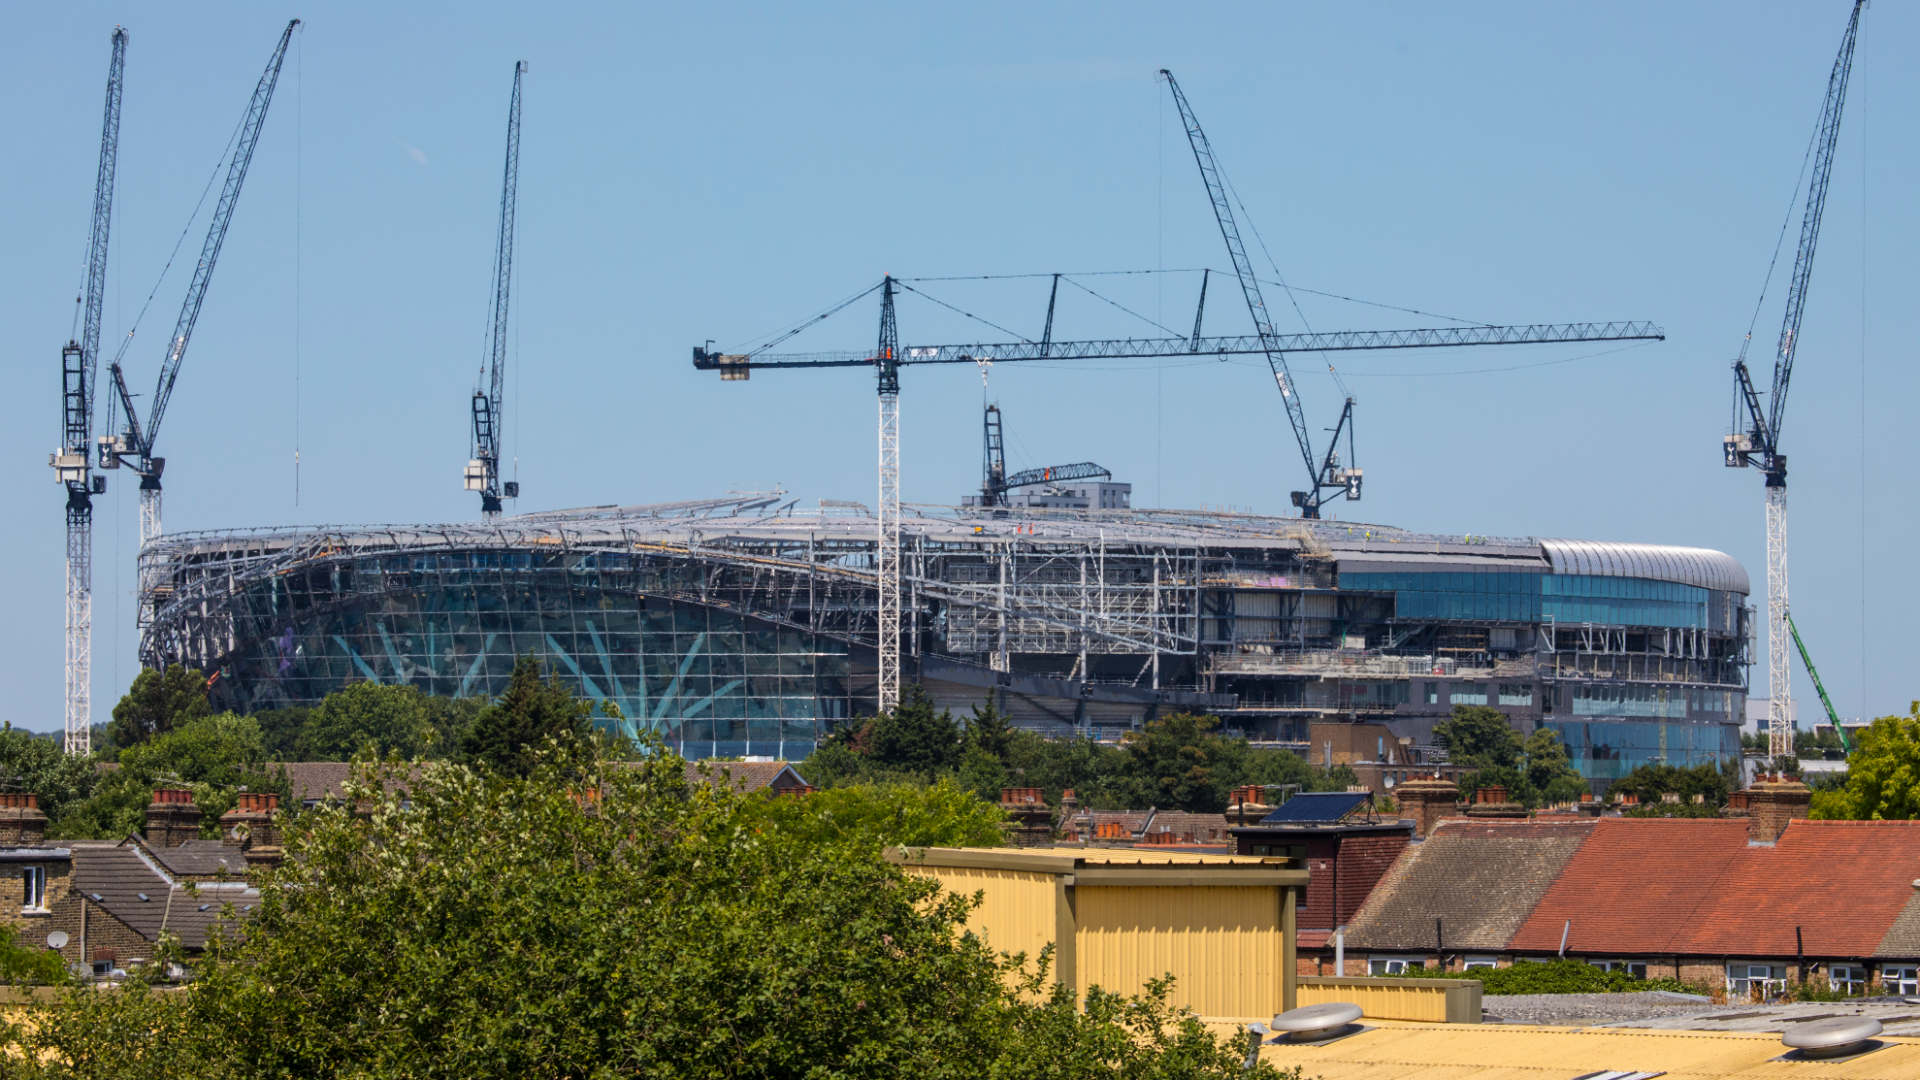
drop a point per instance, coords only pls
(1534, 597)
(711, 681)
(1610, 749)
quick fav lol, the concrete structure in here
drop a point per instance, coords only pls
(1116, 918)
(745, 626)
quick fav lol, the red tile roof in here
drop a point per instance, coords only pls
(1636, 885)
(1843, 883)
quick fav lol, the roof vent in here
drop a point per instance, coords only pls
(1837, 1037)
(142, 896)
(1315, 1023)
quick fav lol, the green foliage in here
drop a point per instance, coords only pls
(367, 716)
(26, 964)
(1557, 977)
(507, 736)
(1178, 761)
(913, 737)
(158, 702)
(1883, 774)
(1479, 737)
(280, 731)
(508, 926)
(1174, 762)
(214, 756)
(35, 763)
(942, 814)
(1649, 782)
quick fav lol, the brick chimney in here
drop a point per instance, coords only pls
(172, 817)
(1246, 805)
(1773, 803)
(249, 828)
(1427, 801)
(1493, 801)
(21, 822)
(1029, 820)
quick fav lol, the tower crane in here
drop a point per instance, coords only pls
(1759, 445)
(483, 468)
(72, 463)
(995, 481)
(1328, 474)
(133, 446)
(888, 357)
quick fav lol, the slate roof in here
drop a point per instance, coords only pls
(314, 781)
(199, 858)
(117, 877)
(1480, 879)
(1190, 827)
(745, 775)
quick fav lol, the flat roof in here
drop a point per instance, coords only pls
(1132, 866)
(1407, 1050)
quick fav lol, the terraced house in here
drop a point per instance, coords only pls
(1754, 904)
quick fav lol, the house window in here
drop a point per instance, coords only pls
(1478, 962)
(1634, 968)
(1848, 979)
(34, 892)
(1900, 979)
(1395, 965)
(1516, 694)
(1757, 982)
(1469, 694)
(1433, 693)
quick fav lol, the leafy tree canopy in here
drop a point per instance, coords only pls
(158, 702)
(39, 764)
(1883, 774)
(1480, 738)
(214, 756)
(368, 716)
(508, 735)
(942, 814)
(510, 926)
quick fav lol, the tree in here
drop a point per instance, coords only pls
(159, 701)
(214, 756)
(1883, 774)
(508, 926)
(39, 764)
(1549, 769)
(1179, 762)
(942, 814)
(509, 734)
(913, 736)
(362, 716)
(1479, 737)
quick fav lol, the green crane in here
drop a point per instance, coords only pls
(1814, 674)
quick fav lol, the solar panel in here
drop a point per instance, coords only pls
(1318, 806)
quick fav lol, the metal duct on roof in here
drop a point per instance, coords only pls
(1702, 567)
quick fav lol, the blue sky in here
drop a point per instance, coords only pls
(716, 171)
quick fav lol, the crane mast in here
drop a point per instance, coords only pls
(483, 468)
(886, 366)
(1325, 474)
(995, 481)
(136, 441)
(72, 464)
(1759, 445)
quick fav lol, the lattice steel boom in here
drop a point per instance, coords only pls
(134, 446)
(72, 462)
(483, 468)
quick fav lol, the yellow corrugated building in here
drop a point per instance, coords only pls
(1221, 925)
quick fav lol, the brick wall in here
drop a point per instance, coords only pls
(1364, 860)
(91, 930)
(31, 926)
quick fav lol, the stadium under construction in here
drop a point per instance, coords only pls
(748, 625)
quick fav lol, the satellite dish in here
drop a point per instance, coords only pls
(57, 939)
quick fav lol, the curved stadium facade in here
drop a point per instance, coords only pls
(743, 625)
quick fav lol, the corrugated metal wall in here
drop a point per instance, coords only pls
(1017, 911)
(1222, 944)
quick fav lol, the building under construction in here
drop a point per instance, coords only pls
(749, 625)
